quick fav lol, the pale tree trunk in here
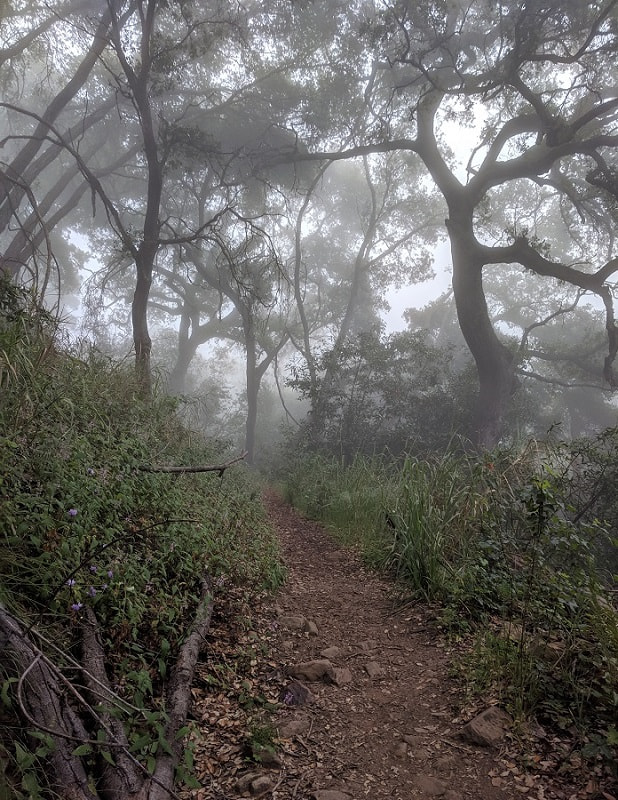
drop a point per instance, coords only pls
(13, 189)
(186, 351)
(253, 388)
(255, 371)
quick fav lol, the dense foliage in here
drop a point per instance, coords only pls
(85, 530)
(397, 393)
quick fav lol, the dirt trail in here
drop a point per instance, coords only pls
(382, 722)
(391, 731)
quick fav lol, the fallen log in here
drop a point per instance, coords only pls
(123, 778)
(42, 704)
(220, 468)
(44, 694)
(178, 695)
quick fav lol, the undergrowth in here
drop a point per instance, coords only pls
(82, 526)
(508, 544)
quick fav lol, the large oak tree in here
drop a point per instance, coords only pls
(527, 91)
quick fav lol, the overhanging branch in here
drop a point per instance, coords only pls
(522, 252)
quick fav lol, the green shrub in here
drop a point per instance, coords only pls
(82, 525)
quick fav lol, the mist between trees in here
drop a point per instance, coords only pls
(259, 177)
(227, 193)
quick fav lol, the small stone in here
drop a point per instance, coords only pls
(312, 671)
(332, 653)
(261, 785)
(265, 755)
(487, 728)
(244, 782)
(400, 750)
(452, 795)
(294, 727)
(330, 794)
(311, 628)
(369, 644)
(429, 785)
(296, 694)
(293, 623)
(342, 675)
(373, 669)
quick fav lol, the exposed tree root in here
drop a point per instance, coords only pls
(42, 704)
(50, 703)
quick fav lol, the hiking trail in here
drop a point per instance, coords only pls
(366, 705)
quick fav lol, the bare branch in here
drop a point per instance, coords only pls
(541, 323)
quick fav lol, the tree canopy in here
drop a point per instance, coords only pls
(324, 147)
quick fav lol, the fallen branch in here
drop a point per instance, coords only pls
(122, 778)
(220, 468)
(42, 693)
(178, 696)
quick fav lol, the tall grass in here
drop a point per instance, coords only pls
(351, 499)
(503, 543)
(430, 525)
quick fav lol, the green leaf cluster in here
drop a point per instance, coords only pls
(83, 526)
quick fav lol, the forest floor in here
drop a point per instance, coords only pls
(331, 690)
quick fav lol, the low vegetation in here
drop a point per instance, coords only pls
(109, 567)
(107, 571)
(510, 546)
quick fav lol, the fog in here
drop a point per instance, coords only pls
(374, 225)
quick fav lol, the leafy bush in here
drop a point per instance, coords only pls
(384, 394)
(84, 528)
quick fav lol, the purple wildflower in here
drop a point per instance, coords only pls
(90, 471)
(93, 568)
(110, 573)
(92, 591)
(71, 582)
(77, 606)
(72, 512)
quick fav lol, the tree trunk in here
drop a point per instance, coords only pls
(43, 703)
(186, 351)
(12, 189)
(253, 387)
(139, 320)
(494, 362)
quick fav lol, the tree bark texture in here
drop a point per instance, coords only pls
(253, 388)
(139, 321)
(44, 697)
(45, 708)
(494, 362)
